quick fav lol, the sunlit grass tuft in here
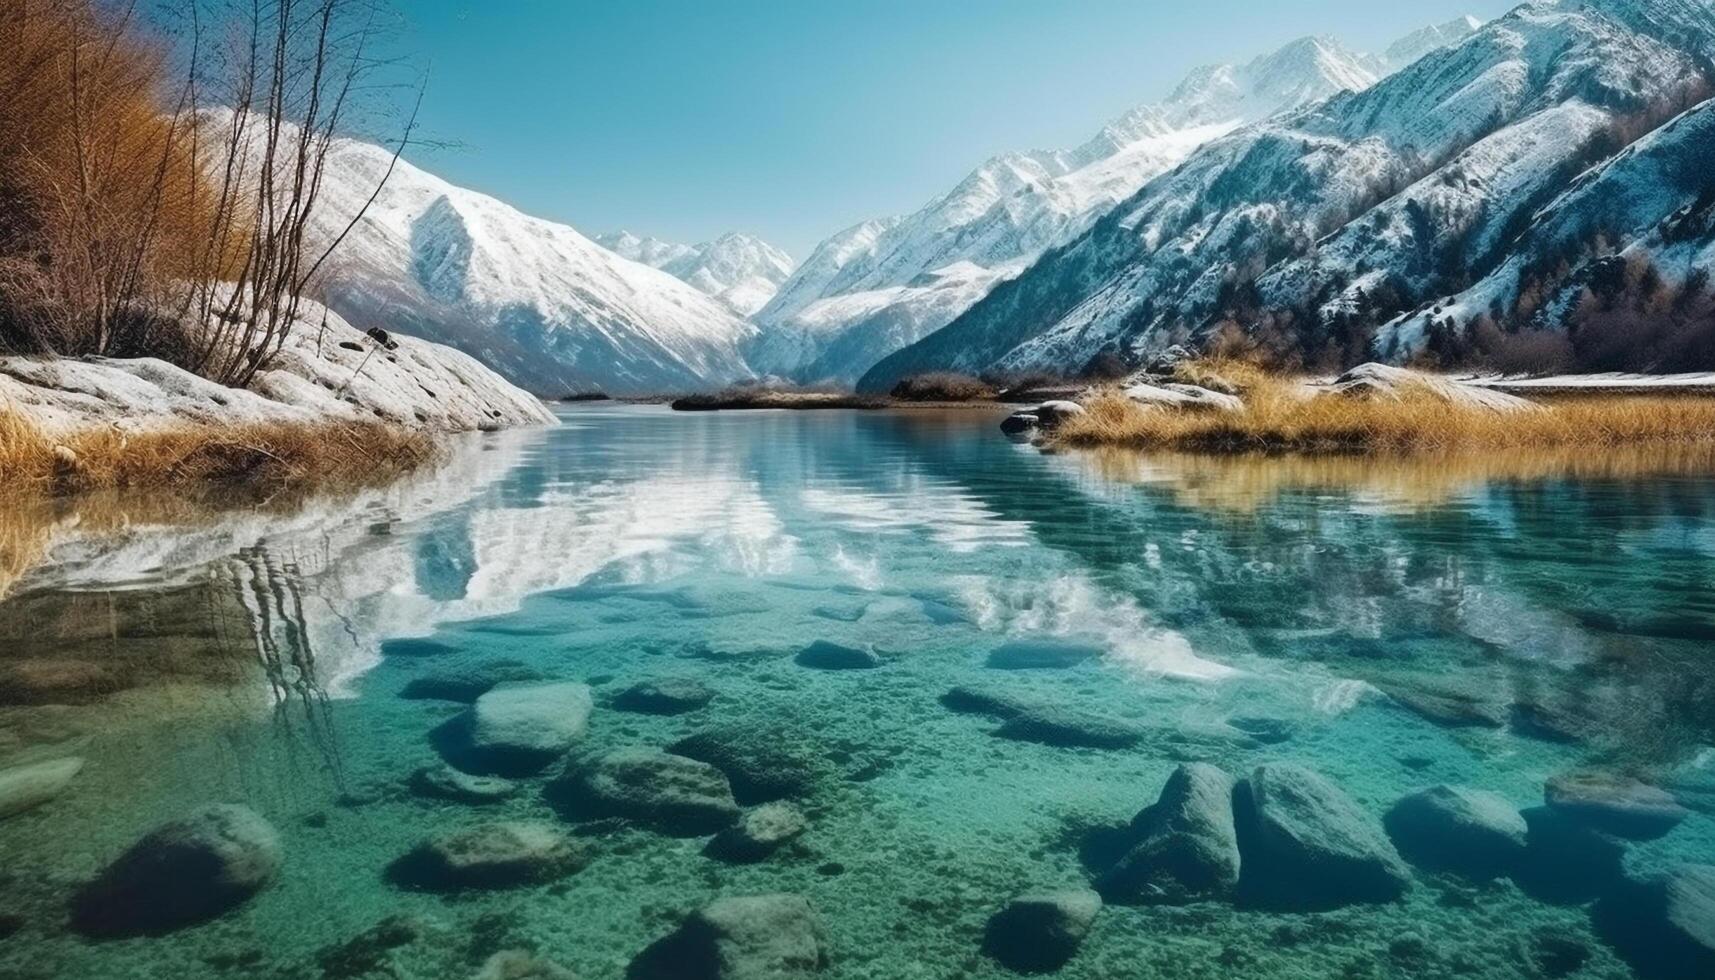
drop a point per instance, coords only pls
(258, 457)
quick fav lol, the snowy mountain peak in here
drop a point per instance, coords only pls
(1419, 43)
(1306, 70)
(643, 248)
(533, 299)
(741, 271)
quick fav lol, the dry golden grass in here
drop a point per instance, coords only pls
(1279, 418)
(258, 459)
(1245, 482)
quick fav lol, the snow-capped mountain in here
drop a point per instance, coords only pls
(1319, 224)
(533, 299)
(742, 271)
(896, 280)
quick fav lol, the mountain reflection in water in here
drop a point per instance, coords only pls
(1391, 624)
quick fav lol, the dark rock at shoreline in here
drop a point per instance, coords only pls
(443, 782)
(467, 682)
(503, 854)
(1020, 423)
(1566, 861)
(1617, 804)
(664, 696)
(1308, 846)
(186, 871)
(1042, 655)
(823, 655)
(759, 832)
(1041, 932)
(760, 937)
(669, 793)
(1186, 846)
(1474, 833)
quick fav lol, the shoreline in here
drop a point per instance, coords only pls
(334, 407)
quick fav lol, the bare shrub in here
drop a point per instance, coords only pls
(942, 387)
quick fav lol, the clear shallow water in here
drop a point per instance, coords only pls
(259, 658)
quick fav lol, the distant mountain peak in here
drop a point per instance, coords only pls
(1434, 37)
(740, 270)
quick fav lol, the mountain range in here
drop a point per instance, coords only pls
(1475, 181)
(1345, 228)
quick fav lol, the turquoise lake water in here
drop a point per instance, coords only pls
(1391, 631)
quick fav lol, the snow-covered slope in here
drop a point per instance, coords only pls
(742, 271)
(889, 279)
(533, 299)
(1310, 225)
(327, 371)
(1654, 204)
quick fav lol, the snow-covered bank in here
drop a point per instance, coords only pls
(327, 371)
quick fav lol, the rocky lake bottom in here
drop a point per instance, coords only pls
(877, 695)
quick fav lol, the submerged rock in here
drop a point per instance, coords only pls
(1665, 927)
(664, 696)
(369, 950)
(1446, 702)
(184, 872)
(765, 761)
(1472, 832)
(516, 964)
(970, 700)
(1042, 655)
(502, 854)
(1041, 932)
(443, 782)
(29, 786)
(1187, 848)
(759, 832)
(1307, 845)
(1614, 803)
(1566, 861)
(669, 793)
(467, 682)
(518, 729)
(823, 655)
(760, 937)
(1063, 727)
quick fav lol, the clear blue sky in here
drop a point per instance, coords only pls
(791, 119)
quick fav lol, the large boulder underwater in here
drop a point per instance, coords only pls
(186, 871)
